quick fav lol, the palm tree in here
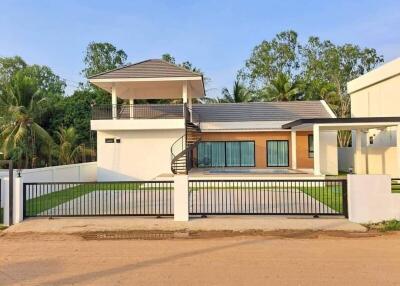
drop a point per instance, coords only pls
(239, 93)
(21, 104)
(69, 151)
(281, 89)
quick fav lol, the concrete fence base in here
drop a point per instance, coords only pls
(370, 199)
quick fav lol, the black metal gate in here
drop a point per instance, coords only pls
(268, 197)
(136, 198)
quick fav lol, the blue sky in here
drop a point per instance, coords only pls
(216, 36)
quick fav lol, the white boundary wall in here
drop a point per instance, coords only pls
(84, 172)
(370, 199)
(381, 160)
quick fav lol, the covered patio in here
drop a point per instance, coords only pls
(364, 131)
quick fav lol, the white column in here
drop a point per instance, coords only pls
(114, 101)
(366, 152)
(18, 213)
(357, 153)
(317, 163)
(190, 103)
(184, 96)
(398, 150)
(293, 151)
(131, 103)
(6, 202)
(185, 92)
(181, 198)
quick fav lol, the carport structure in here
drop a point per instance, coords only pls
(361, 139)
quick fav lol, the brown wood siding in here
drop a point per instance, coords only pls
(303, 161)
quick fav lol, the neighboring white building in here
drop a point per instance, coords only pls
(375, 95)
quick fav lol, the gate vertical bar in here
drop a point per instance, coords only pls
(344, 199)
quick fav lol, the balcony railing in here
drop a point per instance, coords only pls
(138, 111)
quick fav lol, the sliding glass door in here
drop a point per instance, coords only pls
(278, 153)
(226, 154)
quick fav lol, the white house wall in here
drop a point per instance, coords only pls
(141, 155)
(328, 153)
(137, 124)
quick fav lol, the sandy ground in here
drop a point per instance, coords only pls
(230, 223)
(276, 258)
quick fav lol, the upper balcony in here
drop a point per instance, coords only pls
(151, 79)
(142, 116)
(138, 111)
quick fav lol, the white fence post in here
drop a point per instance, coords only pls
(370, 199)
(18, 212)
(181, 198)
(6, 204)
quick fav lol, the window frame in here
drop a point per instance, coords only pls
(288, 153)
(240, 153)
(310, 145)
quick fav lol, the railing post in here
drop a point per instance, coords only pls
(114, 101)
(131, 106)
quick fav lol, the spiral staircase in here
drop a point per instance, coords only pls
(182, 149)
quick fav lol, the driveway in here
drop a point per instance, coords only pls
(299, 258)
(122, 202)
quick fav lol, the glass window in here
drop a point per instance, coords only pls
(310, 146)
(204, 154)
(226, 154)
(278, 153)
(232, 154)
(217, 154)
(247, 154)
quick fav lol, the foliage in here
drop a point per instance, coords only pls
(101, 57)
(387, 225)
(239, 93)
(282, 88)
(70, 151)
(22, 103)
(322, 67)
(186, 64)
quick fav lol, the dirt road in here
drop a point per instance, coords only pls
(297, 258)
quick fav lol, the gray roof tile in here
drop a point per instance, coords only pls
(261, 111)
(154, 68)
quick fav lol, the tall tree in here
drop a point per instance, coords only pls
(22, 104)
(70, 151)
(271, 58)
(239, 93)
(186, 64)
(282, 88)
(101, 57)
(328, 68)
(323, 67)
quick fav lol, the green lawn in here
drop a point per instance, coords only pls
(395, 188)
(330, 196)
(48, 201)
